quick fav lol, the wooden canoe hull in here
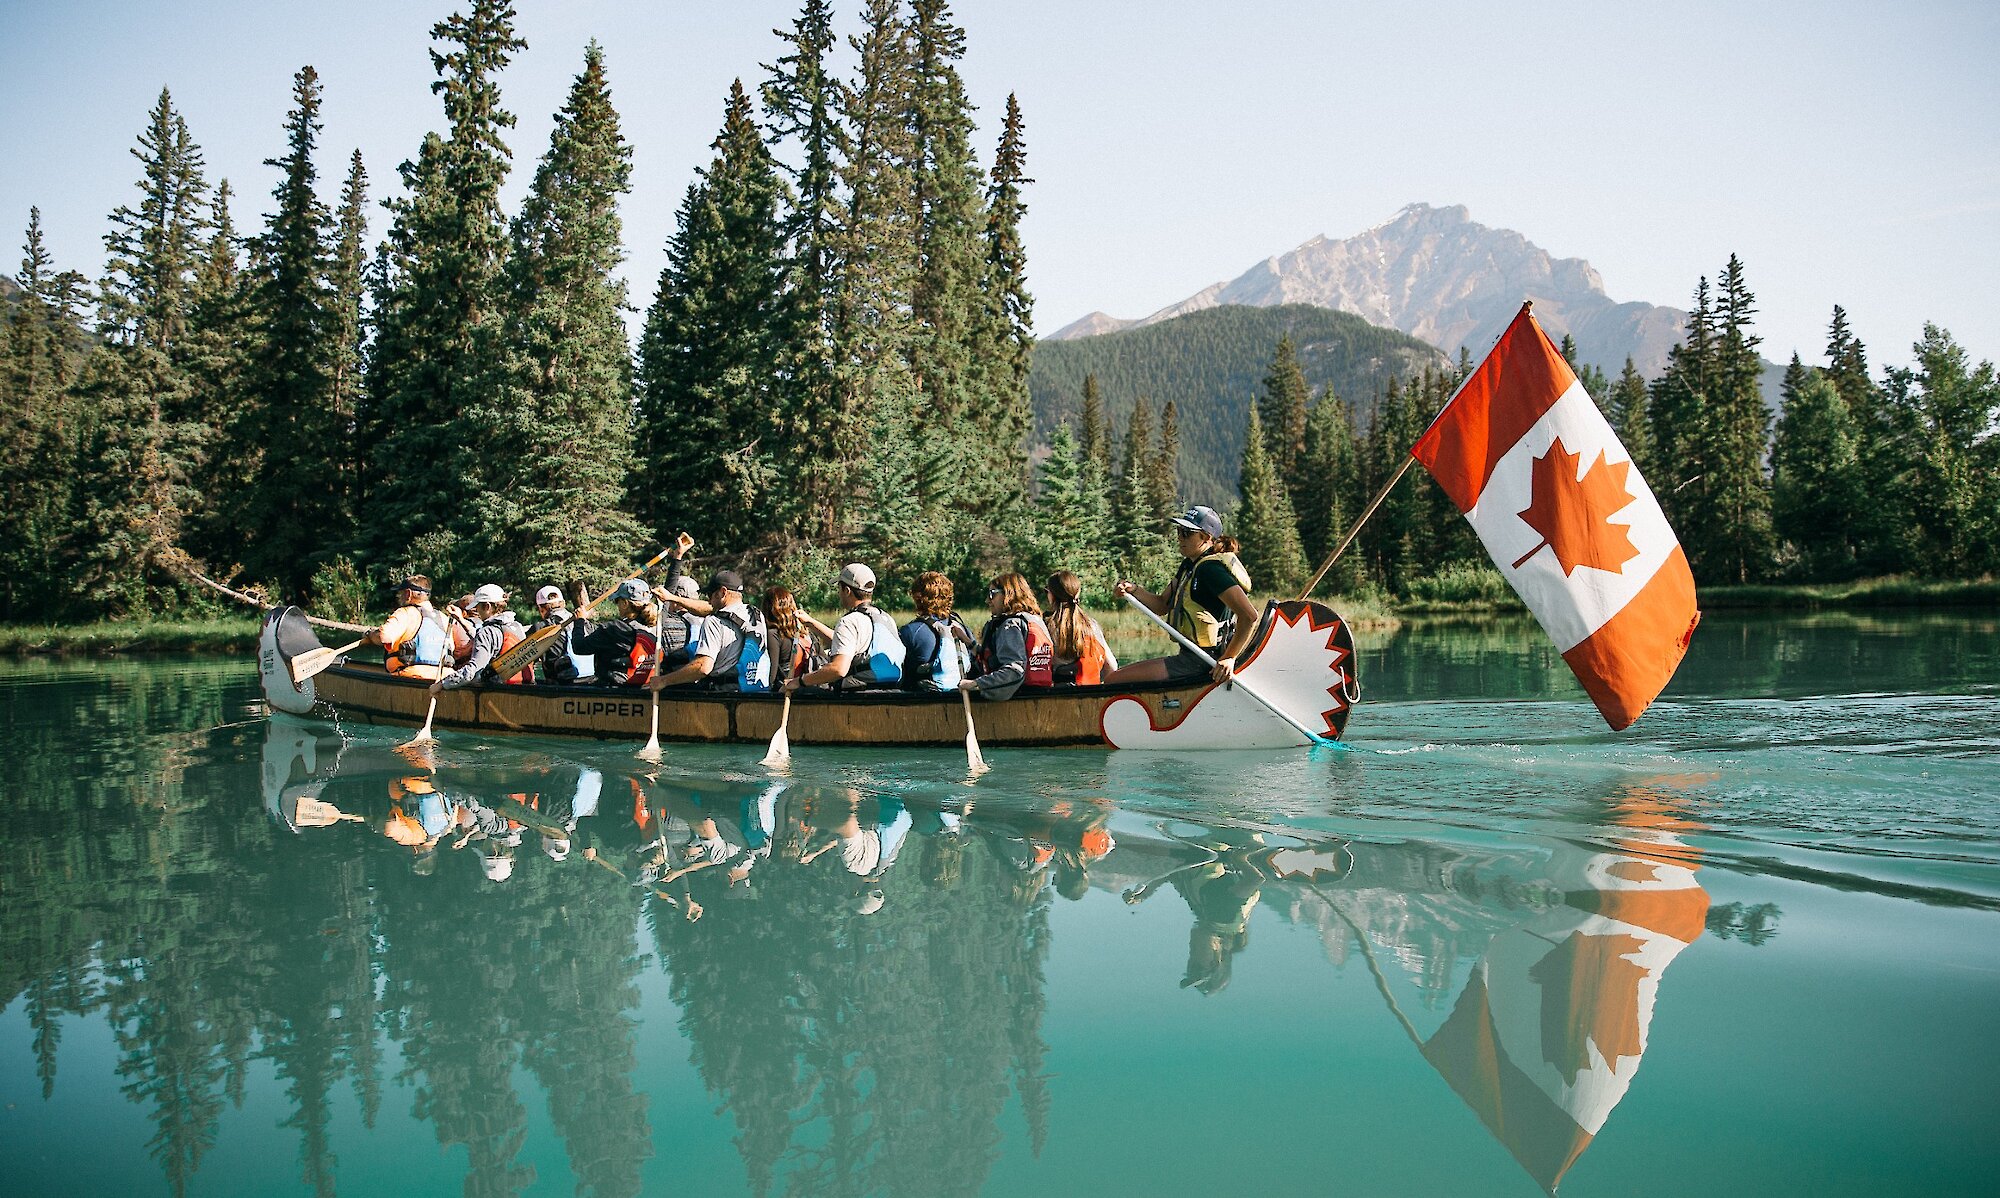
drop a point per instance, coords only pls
(1315, 684)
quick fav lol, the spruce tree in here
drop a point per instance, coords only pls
(1071, 523)
(1283, 417)
(1008, 344)
(1817, 489)
(1625, 411)
(1394, 544)
(1594, 383)
(874, 331)
(439, 307)
(1678, 406)
(1732, 538)
(710, 360)
(1331, 469)
(37, 475)
(348, 283)
(1133, 528)
(1265, 522)
(803, 103)
(224, 347)
(566, 405)
(1094, 439)
(1955, 489)
(296, 511)
(946, 300)
(142, 443)
(1886, 539)
(1163, 469)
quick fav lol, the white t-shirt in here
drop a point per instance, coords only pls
(719, 640)
(854, 633)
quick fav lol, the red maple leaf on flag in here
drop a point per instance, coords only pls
(1573, 515)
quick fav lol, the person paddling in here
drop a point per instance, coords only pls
(625, 649)
(1015, 648)
(558, 664)
(414, 638)
(731, 646)
(495, 631)
(866, 650)
(1208, 589)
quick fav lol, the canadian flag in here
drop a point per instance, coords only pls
(1525, 454)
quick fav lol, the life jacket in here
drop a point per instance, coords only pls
(1189, 618)
(512, 634)
(753, 659)
(424, 647)
(945, 668)
(643, 659)
(1039, 669)
(463, 632)
(885, 650)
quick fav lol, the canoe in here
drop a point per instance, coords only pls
(1301, 660)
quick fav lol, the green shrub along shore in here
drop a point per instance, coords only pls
(1458, 591)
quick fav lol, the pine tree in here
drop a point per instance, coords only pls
(290, 505)
(1625, 410)
(439, 306)
(1816, 482)
(709, 359)
(1594, 383)
(1094, 441)
(1394, 544)
(141, 442)
(221, 352)
(567, 399)
(802, 101)
(1008, 344)
(347, 280)
(1265, 522)
(1955, 491)
(1733, 539)
(1283, 417)
(874, 332)
(36, 433)
(1678, 406)
(945, 300)
(1133, 529)
(1331, 469)
(1071, 524)
(1886, 537)
(1847, 364)
(1163, 468)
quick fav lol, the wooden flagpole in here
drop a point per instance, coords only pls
(1526, 306)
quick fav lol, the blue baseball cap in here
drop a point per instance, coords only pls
(1200, 519)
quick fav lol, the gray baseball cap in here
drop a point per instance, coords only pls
(1200, 519)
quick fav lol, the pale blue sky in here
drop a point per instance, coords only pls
(1849, 152)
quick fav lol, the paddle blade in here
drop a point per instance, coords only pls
(424, 733)
(316, 661)
(651, 751)
(780, 753)
(527, 653)
(974, 759)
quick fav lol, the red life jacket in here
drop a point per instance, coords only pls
(461, 638)
(644, 658)
(510, 636)
(1041, 652)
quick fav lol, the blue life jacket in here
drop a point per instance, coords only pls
(753, 661)
(946, 667)
(885, 649)
(426, 646)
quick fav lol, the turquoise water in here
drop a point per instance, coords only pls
(1750, 946)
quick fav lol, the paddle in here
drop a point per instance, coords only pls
(1311, 736)
(424, 733)
(315, 661)
(974, 760)
(536, 643)
(651, 750)
(780, 754)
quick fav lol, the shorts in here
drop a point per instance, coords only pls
(1185, 666)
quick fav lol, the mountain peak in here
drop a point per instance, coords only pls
(1437, 274)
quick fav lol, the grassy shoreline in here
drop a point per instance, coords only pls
(238, 634)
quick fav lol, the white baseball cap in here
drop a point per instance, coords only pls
(858, 577)
(547, 595)
(490, 593)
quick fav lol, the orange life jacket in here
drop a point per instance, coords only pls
(1089, 660)
(645, 657)
(510, 636)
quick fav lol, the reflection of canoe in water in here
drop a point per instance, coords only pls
(1301, 659)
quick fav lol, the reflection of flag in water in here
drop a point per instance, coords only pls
(1548, 1032)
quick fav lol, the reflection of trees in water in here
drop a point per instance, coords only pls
(865, 1053)
(1752, 925)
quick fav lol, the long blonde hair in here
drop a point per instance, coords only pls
(1068, 626)
(1015, 595)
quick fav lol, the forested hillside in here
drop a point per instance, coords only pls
(1210, 365)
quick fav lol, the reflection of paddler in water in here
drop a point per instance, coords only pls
(755, 821)
(868, 846)
(1222, 887)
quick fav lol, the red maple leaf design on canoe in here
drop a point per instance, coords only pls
(1573, 515)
